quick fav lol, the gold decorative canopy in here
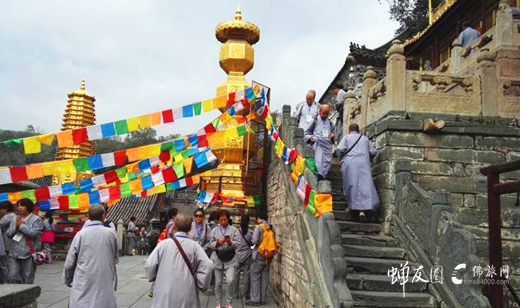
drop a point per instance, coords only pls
(237, 29)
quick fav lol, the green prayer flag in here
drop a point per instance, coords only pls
(132, 176)
(241, 130)
(312, 197)
(311, 164)
(167, 146)
(169, 186)
(215, 122)
(73, 202)
(29, 194)
(311, 210)
(121, 127)
(179, 170)
(121, 172)
(257, 200)
(126, 191)
(186, 153)
(196, 108)
(13, 142)
(81, 164)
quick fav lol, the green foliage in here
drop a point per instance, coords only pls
(412, 15)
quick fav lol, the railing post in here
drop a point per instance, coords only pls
(504, 25)
(486, 70)
(456, 56)
(495, 238)
(351, 107)
(369, 80)
(396, 78)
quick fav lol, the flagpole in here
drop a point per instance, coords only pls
(430, 11)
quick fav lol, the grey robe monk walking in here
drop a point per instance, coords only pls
(338, 91)
(90, 267)
(321, 136)
(175, 285)
(355, 151)
(307, 111)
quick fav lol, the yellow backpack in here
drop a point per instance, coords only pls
(268, 247)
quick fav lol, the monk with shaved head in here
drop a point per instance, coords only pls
(321, 136)
(307, 111)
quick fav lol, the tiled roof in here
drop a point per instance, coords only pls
(43, 182)
(143, 209)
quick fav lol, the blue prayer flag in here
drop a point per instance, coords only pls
(202, 196)
(194, 140)
(95, 162)
(179, 144)
(187, 111)
(45, 205)
(146, 182)
(4, 197)
(231, 111)
(68, 188)
(86, 185)
(144, 164)
(93, 198)
(201, 159)
(108, 130)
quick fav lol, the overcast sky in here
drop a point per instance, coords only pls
(143, 56)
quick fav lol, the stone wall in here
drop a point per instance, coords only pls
(450, 160)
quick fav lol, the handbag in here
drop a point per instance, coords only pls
(48, 236)
(226, 255)
(38, 257)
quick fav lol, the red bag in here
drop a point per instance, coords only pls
(48, 236)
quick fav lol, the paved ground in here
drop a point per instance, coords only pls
(132, 286)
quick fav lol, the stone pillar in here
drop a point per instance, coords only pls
(286, 115)
(369, 80)
(504, 25)
(456, 56)
(293, 126)
(349, 108)
(396, 78)
(120, 238)
(486, 70)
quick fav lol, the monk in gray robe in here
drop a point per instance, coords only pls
(175, 285)
(355, 151)
(200, 231)
(338, 91)
(90, 267)
(321, 136)
(307, 112)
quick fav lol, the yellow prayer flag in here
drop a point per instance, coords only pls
(231, 133)
(220, 102)
(268, 121)
(207, 105)
(250, 201)
(177, 158)
(12, 197)
(84, 202)
(196, 179)
(161, 188)
(188, 163)
(132, 168)
(65, 139)
(133, 124)
(155, 118)
(34, 171)
(322, 204)
(50, 168)
(132, 154)
(46, 139)
(136, 186)
(32, 145)
(279, 147)
(66, 167)
(225, 117)
(144, 121)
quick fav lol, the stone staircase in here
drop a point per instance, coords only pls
(370, 256)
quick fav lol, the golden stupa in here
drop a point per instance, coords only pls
(78, 113)
(231, 178)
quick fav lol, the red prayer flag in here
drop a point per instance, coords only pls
(209, 128)
(64, 202)
(144, 193)
(114, 192)
(244, 102)
(241, 120)
(18, 174)
(79, 135)
(292, 156)
(120, 158)
(164, 156)
(308, 189)
(111, 177)
(189, 181)
(203, 141)
(42, 194)
(167, 116)
(169, 175)
(231, 98)
(265, 112)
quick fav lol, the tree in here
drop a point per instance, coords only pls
(412, 15)
(141, 137)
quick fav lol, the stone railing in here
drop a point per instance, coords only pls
(480, 80)
(19, 295)
(426, 225)
(318, 238)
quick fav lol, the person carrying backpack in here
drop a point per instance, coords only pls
(265, 249)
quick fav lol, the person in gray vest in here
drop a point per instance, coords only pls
(259, 270)
(468, 35)
(307, 111)
(321, 136)
(6, 216)
(25, 231)
(338, 91)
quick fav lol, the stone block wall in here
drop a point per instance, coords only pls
(450, 160)
(288, 278)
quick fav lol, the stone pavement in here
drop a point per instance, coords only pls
(132, 286)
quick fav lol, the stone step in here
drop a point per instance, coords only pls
(375, 252)
(368, 240)
(338, 196)
(375, 265)
(342, 215)
(367, 282)
(359, 227)
(392, 299)
(339, 205)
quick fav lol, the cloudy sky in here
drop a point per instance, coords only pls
(143, 56)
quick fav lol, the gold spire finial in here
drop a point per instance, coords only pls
(238, 14)
(82, 86)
